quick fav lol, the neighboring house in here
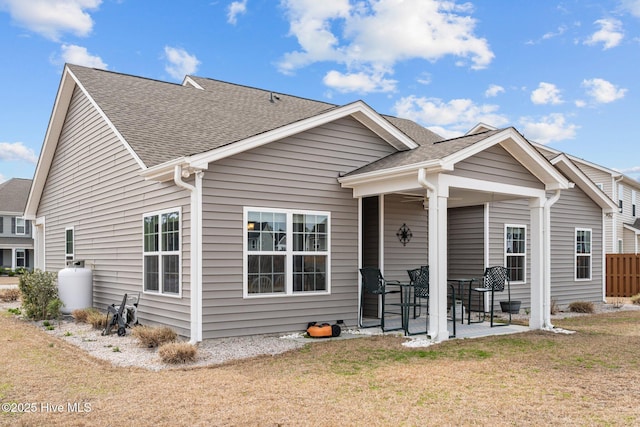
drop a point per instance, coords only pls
(623, 225)
(236, 211)
(16, 242)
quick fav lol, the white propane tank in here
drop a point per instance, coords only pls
(75, 287)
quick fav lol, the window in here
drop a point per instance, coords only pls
(162, 252)
(68, 243)
(20, 226)
(515, 248)
(1, 225)
(583, 254)
(633, 203)
(286, 252)
(620, 196)
(21, 258)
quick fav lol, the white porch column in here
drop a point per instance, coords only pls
(536, 209)
(438, 330)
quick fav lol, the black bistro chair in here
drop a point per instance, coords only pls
(374, 284)
(419, 278)
(496, 279)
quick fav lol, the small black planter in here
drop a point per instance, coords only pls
(513, 308)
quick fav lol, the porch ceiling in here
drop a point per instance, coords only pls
(459, 197)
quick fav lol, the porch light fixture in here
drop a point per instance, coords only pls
(404, 234)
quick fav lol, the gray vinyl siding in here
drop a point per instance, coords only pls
(299, 172)
(575, 210)
(465, 244)
(517, 213)
(94, 186)
(496, 164)
(398, 259)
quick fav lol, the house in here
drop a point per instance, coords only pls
(623, 225)
(16, 242)
(237, 211)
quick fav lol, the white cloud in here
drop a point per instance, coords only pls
(180, 63)
(448, 119)
(553, 127)
(236, 8)
(493, 91)
(610, 33)
(546, 93)
(2, 178)
(372, 35)
(560, 31)
(17, 151)
(632, 6)
(603, 91)
(80, 56)
(52, 18)
(358, 82)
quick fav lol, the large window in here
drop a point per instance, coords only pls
(583, 254)
(287, 252)
(515, 249)
(162, 252)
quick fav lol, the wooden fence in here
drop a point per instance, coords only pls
(623, 275)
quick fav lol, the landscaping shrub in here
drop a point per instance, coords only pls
(153, 337)
(582, 307)
(177, 352)
(9, 295)
(81, 315)
(40, 295)
(95, 318)
(635, 299)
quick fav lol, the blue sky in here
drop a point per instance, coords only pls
(564, 73)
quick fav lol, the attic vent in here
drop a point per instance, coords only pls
(273, 97)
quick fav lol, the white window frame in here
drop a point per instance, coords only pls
(21, 223)
(288, 253)
(161, 253)
(23, 257)
(584, 255)
(511, 254)
(69, 255)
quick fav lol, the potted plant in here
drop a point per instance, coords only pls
(512, 307)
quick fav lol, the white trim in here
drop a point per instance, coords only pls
(576, 254)
(188, 81)
(513, 254)
(161, 252)
(288, 253)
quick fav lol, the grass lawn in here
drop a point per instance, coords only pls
(536, 378)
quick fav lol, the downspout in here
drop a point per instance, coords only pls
(196, 249)
(546, 233)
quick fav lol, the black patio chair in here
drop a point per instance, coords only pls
(419, 278)
(496, 279)
(373, 283)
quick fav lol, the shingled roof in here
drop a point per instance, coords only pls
(163, 121)
(14, 194)
(428, 150)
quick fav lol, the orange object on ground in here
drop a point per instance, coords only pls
(324, 330)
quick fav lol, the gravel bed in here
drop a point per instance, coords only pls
(125, 351)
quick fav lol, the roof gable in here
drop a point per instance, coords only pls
(443, 156)
(573, 172)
